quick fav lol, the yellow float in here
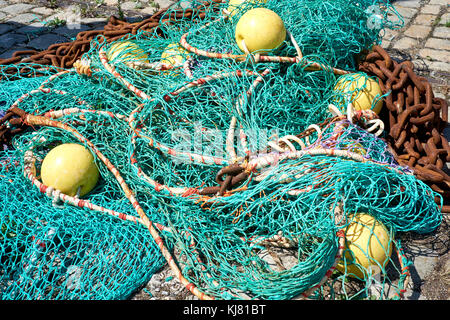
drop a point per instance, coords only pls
(361, 90)
(175, 55)
(71, 169)
(368, 247)
(354, 147)
(261, 30)
(126, 51)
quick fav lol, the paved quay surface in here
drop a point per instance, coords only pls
(424, 40)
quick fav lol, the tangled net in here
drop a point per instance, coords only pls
(227, 166)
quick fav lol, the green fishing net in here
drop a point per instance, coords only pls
(242, 174)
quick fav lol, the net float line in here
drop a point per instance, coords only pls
(257, 58)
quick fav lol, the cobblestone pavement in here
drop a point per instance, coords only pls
(424, 40)
(36, 24)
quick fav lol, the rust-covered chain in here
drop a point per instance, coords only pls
(228, 177)
(415, 119)
(11, 124)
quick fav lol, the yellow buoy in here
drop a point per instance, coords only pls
(70, 168)
(174, 54)
(363, 92)
(354, 147)
(368, 246)
(126, 51)
(261, 30)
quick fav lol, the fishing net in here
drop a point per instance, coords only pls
(52, 250)
(243, 172)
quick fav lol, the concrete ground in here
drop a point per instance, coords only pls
(424, 40)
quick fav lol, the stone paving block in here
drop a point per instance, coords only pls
(111, 2)
(440, 2)
(406, 12)
(25, 18)
(149, 10)
(62, 15)
(438, 44)
(441, 32)
(424, 265)
(164, 3)
(425, 19)
(43, 11)
(405, 43)
(408, 3)
(46, 40)
(388, 34)
(8, 54)
(16, 8)
(71, 31)
(33, 28)
(94, 20)
(430, 9)
(5, 28)
(424, 64)
(385, 43)
(418, 31)
(128, 5)
(9, 39)
(445, 18)
(439, 66)
(435, 55)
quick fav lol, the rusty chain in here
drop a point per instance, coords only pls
(415, 119)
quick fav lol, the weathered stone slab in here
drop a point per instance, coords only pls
(44, 41)
(9, 39)
(418, 31)
(17, 8)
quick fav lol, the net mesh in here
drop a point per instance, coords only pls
(243, 172)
